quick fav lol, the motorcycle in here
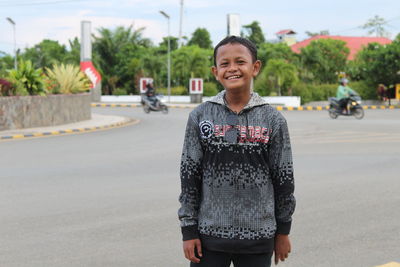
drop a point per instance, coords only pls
(354, 107)
(150, 105)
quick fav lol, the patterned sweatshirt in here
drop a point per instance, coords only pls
(236, 196)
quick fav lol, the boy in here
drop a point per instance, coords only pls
(236, 170)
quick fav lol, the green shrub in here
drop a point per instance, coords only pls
(210, 89)
(364, 89)
(303, 90)
(324, 91)
(177, 90)
(27, 80)
(67, 79)
(262, 86)
(314, 92)
(273, 94)
(120, 91)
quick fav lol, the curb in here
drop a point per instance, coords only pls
(327, 107)
(70, 131)
(280, 108)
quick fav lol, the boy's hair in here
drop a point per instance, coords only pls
(237, 40)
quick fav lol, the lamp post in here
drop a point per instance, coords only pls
(15, 43)
(169, 57)
(180, 26)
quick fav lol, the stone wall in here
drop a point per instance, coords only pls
(17, 112)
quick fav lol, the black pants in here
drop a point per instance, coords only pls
(223, 259)
(343, 102)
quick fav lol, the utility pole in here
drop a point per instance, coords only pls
(180, 26)
(15, 43)
(169, 55)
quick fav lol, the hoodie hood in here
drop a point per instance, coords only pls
(255, 100)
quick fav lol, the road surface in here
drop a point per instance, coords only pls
(110, 198)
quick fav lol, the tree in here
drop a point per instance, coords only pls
(190, 62)
(254, 33)
(324, 58)
(6, 63)
(280, 74)
(201, 37)
(312, 34)
(45, 54)
(269, 51)
(379, 64)
(114, 51)
(163, 46)
(155, 66)
(73, 55)
(375, 26)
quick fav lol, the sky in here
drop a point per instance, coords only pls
(60, 19)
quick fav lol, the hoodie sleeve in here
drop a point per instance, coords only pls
(191, 177)
(282, 175)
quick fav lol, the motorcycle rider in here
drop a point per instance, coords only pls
(151, 95)
(343, 93)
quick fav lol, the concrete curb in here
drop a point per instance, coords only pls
(307, 108)
(69, 131)
(280, 108)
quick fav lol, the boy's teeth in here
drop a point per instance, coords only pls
(233, 77)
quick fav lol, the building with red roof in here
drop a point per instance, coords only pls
(355, 44)
(287, 36)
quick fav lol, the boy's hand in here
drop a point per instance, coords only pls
(189, 248)
(282, 247)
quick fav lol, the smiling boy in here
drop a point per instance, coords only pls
(236, 170)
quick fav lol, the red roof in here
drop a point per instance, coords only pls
(355, 44)
(285, 32)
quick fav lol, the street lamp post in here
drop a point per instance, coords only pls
(169, 57)
(15, 43)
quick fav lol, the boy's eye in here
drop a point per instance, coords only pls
(223, 64)
(241, 62)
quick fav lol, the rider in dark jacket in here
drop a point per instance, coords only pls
(151, 95)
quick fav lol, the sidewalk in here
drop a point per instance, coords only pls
(98, 122)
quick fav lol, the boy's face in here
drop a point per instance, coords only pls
(235, 67)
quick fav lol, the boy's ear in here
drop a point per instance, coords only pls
(214, 72)
(256, 68)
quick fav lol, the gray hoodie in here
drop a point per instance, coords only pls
(236, 197)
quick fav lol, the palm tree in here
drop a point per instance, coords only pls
(114, 51)
(190, 62)
(279, 72)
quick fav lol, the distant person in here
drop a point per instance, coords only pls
(236, 170)
(151, 95)
(382, 92)
(343, 93)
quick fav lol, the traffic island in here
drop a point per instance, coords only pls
(19, 112)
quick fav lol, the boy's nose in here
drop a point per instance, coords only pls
(232, 67)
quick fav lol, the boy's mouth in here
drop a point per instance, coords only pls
(233, 77)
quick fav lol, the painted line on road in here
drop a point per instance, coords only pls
(69, 131)
(390, 264)
(280, 108)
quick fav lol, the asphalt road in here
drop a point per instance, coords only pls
(109, 198)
